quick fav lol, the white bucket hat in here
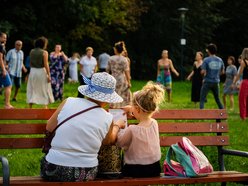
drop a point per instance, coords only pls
(101, 87)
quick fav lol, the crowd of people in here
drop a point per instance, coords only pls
(45, 73)
(205, 77)
(106, 81)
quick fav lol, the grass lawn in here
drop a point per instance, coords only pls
(26, 162)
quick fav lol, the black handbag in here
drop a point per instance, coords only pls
(49, 135)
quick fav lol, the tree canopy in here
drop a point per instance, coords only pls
(147, 27)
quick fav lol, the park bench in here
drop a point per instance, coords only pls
(202, 127)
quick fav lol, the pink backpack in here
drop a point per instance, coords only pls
(191, 162)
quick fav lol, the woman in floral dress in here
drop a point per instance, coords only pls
(57, 62)
(119, 68)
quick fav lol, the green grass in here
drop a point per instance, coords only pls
(26, 162)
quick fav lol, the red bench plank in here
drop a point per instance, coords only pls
(26, 114)
(16, 143)
(18, 114)
(196, 140)
(216, 177)
(191, 114)
(198, 127)
(22, 129)
(20, 143)
(193, 127)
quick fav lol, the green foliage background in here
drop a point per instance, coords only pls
(147, 27)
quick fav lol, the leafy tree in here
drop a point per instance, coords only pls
(147, 26)
(231, 35)
(74, 23)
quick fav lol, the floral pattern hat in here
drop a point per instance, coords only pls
(101, 87)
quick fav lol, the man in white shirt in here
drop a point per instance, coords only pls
(14, 60)
(88, 65)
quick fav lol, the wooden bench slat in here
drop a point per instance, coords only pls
(198, 127)
(218, 177)
(191, 114)
(22, 129)
(13, 143)
(44, 114)
(20, 143)
(22, 114)
(196, 140)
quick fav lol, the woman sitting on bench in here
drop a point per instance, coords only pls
(75, 146)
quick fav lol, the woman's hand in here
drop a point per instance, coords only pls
(48, 79)
(129, 85)
(233, 86)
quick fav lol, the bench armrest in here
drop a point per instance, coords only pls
(5, 167)
(235, 152)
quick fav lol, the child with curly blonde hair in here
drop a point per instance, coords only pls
(141, 142)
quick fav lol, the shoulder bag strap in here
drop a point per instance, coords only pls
(72, 116)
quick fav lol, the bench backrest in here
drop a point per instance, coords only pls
(24, 128)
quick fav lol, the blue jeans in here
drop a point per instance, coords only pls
(214, 87)
(5, 81)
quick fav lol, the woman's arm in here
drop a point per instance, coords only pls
(127, 74)
(237, 77)
(192, 72)
(173, 69)
(111, 136)
(64, 56)
(95, 69)
(81, 66)
(158, 68)
(190, 75)
(2, 65)
(53, 122)
(45, 60)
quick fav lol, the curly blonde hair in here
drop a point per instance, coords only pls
(149, 98)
